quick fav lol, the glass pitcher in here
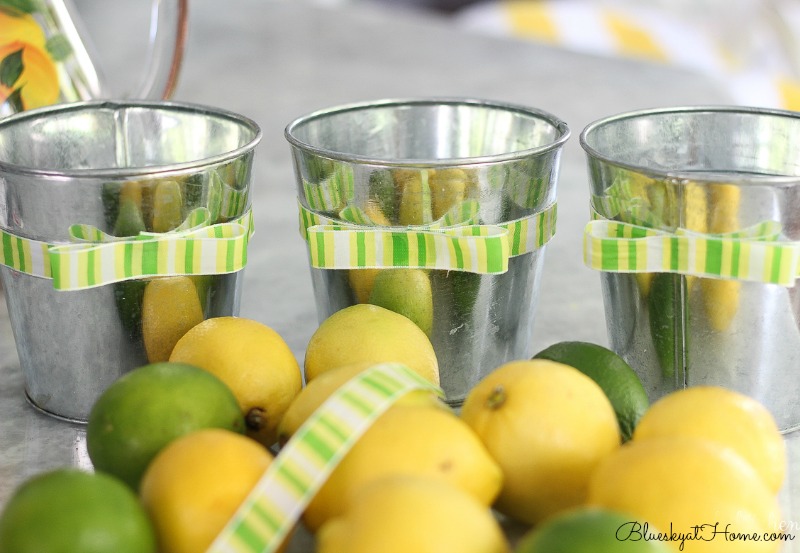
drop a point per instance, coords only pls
(44, 59)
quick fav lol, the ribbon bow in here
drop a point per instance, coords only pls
(191, 249)
(754, 254)
(453, 243)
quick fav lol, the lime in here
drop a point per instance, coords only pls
(617, 379)
(405, 291)
(591, 530)
(664, 306)
(149, 407)
(70, 511)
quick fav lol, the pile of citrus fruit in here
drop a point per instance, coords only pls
(564, 446)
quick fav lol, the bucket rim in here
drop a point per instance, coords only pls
(694, 176)
(558, 124)
(124, 172)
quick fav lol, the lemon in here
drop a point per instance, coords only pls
(403, 514)
(409, 439)
(589, 530)
(415, 199)
(195, 485)
(407, 292)
(167, 206)
(253, 360)
(548, 426)
(448, 188)
(147, 408)
(721, 297)
(725, 416)
(170, 307)
(365, 332)
(70, 511)
(312, 396)
(617, 379)
(361, 283)
(688, 487)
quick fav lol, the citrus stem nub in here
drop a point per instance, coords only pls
(255, 419)
(496, 398)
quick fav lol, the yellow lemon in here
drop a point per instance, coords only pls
(404, 514)
(170, 307)
(721, 297)
(365, 332)
(725, 416)
(195, 485)
(321, 388)
(167, 206)
(406, 439)
(618, 380)
(548, 426)
(448, 189)
(361, 283)
(253, 360)
(702, 494)
(415, 199)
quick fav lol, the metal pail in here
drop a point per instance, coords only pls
(410, 172)
(699, 278)
(94, 193)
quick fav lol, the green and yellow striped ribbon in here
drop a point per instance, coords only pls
(753, 254)
(332, 193)
(215, 249)
(484, 249)
(274, 506)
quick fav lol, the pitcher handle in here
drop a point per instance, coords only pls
(168, 30)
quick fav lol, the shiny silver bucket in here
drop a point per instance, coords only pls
(715, 172)
(409, 165)
(120, 169)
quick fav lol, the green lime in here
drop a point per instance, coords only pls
(129, 221)
(149, 407)
(71, 511)
(405, 291)
(665, 319)
(591, 530)
(617, 379)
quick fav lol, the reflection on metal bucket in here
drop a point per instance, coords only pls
(119, 175)
(423, 169)
(731, 174)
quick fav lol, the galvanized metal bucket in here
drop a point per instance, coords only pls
(414, 171)
(707, 293)
(93, 194)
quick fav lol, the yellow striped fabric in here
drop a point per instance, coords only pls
(756, 68)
